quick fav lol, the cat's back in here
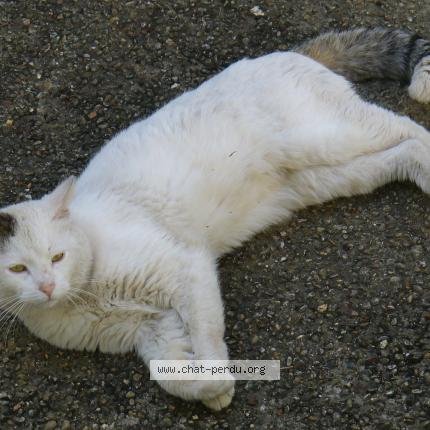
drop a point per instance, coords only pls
(237, 111)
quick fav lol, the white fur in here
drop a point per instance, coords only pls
(165, 198)
(419, 89)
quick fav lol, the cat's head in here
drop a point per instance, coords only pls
(43, 254)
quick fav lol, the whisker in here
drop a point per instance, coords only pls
(8, 311)
(75, 293)
(70, 299)
(19, 314)
(73, 299)
(7, 301)
(13, 320)
(11, 307)
(11, 317)
(89, 293)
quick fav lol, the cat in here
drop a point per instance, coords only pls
(125, 257)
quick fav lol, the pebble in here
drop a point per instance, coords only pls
(66, 425)
(322, 308)
(256, 11)
(137, 377)
(383, 344)
(130, 395)
(167, 422)
(417, 250)
(50, 425)
(395, 280)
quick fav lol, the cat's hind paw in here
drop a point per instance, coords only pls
(419, 89)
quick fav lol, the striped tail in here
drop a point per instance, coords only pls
(375, 53)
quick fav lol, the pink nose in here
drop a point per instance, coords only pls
(47, 288)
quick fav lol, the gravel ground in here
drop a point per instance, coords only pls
(340, 294)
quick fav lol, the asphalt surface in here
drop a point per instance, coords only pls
(340, 294)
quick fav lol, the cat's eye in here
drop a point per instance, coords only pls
(18, 268)
(57, 257)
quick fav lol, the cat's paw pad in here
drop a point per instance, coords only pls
(220, 402)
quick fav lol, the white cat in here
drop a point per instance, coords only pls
(124, 258)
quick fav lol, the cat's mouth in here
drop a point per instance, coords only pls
(51, 303)
(47, 302)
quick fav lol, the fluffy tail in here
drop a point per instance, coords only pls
(377, 53)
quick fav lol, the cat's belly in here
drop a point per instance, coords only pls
(233, 215)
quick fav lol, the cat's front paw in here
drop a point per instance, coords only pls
(221, 401)
(217, 394)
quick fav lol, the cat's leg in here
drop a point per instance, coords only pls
(198, 302)
(354, 128)
(410, 160)
(166, 338)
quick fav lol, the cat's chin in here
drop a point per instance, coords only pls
(48, 303)
(51, 303)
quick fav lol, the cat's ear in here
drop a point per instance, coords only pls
(59, 199)
(7, 225)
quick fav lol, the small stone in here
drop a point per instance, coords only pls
(130, 395)
(383, 344)
(137, 377)
(417, 250)
(9, 123)
(50, 425)
(256, 11)
(26, 22)
(322, 308)
(92, 114)
(167, 422)
(395, 280)
(252, 400)
(66, 425)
